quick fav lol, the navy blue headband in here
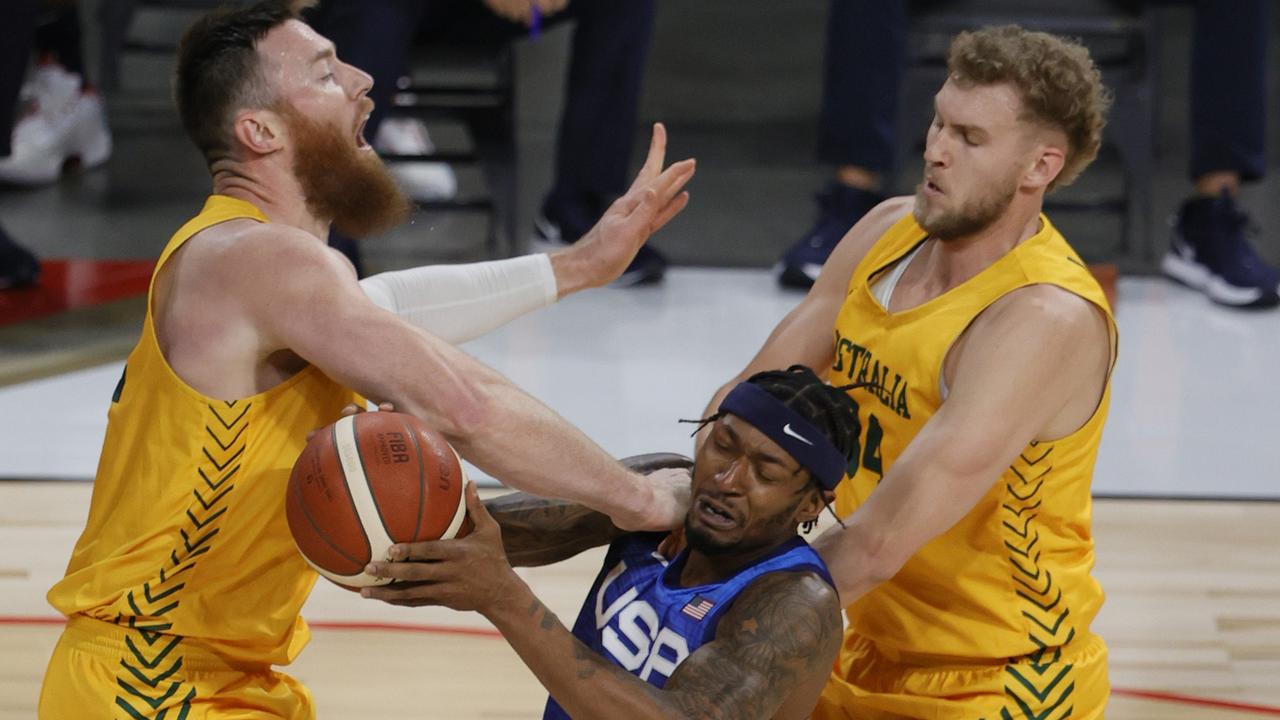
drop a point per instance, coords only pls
(790, 430)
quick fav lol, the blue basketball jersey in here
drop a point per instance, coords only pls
(638, 617)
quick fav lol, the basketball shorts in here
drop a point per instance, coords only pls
(100, 670)
(1066, 682)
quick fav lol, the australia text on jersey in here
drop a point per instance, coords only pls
(860, 366)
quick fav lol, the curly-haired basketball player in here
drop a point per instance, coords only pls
(987, 349)
(743, 624)
(184, 589)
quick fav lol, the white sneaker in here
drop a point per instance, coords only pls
(422, 181)
(65, 124)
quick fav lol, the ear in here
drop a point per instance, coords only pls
(260, 132)
(813, 505)
(1045, 166)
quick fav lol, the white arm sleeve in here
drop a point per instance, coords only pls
(458, 303)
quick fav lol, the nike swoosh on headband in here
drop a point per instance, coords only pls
(787, 430)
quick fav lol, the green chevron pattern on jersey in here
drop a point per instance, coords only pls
(154, 658)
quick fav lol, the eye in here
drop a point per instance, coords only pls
(969, 140)
(330, 77)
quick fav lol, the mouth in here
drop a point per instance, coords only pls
(362, 143)
(931, 188)
(715, 514)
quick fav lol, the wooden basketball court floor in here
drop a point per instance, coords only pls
(1187, 539)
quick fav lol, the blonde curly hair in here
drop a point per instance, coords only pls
(1056, 79)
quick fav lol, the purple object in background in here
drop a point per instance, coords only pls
(535, 23)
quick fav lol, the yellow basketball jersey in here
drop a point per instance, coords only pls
(1013, 576)
(186, 533)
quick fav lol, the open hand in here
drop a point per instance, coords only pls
(468, 573)
(656, 196)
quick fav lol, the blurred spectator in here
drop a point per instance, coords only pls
(18, 266)
(63, 118)
(1210, 248)
(610, 45)
(861, 83)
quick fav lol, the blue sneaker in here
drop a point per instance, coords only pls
(648, 266)
(1210, 251)
(18, 267)
(839, 207)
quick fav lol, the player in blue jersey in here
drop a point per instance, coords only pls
(744, 623)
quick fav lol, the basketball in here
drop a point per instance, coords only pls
(366, 482)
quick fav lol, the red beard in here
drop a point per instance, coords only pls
(341, 183)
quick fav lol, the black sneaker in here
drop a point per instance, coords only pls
(18, 267)
(647, 267)
(839, 207)
(1210, 251)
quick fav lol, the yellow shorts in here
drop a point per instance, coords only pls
(1069, 682)
(101, 670)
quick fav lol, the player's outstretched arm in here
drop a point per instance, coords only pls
(458, 303)
(298, 295)
(772, 652)
(540, 531)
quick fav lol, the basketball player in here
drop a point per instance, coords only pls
(743, 624)
(185, 586)
(964, 563)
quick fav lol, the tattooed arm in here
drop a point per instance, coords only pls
(772, 653)
(537, 531)
(770, 658)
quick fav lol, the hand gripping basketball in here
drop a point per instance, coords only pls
(369, 481)
(470, 573)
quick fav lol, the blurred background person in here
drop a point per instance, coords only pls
(606, 67)
(18, 267)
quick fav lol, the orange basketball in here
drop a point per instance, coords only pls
(367, 482)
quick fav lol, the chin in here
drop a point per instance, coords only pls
(706, 542)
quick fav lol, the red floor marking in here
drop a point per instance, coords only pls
(1192, 700)
(482, 632)
(70, 284)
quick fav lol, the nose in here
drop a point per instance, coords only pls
(728, 480)
(935, 149)
(359, 82)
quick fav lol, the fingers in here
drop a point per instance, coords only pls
(672, 209)
(478, 512)
(411, 595)
(657, 155)
(426, 551)
(665, 187)
(411, 572)
(672, 180)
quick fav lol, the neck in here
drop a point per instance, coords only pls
(270, 188)
(702, 569)
(956, 260)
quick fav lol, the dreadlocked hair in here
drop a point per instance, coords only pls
(828, 407)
